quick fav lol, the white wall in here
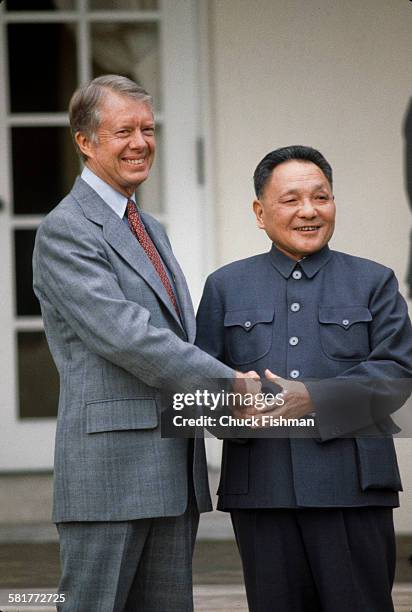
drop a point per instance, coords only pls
(333, 74)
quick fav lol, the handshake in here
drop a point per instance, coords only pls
(296, 399)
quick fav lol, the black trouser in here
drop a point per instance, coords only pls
(317, 560)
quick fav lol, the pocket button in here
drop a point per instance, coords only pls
(247, 324)
(345, 322)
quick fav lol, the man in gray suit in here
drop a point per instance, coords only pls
(120, 326)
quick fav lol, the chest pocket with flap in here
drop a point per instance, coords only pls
(344, 332)
(248, 334)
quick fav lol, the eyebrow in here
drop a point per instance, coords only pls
(315, 188)
(129, 121)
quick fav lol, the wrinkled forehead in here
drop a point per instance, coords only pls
(297, 175)
(114, 104)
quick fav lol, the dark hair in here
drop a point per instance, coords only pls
(266, 166)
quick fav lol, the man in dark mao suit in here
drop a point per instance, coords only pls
(312, 516)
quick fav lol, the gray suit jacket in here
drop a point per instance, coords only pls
(118, 345)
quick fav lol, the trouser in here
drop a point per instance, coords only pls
(143, 565)
(317, 560)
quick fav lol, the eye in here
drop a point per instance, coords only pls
(149, 131)
(322, 197)
(122, 132)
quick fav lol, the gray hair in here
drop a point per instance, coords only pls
(84, 107)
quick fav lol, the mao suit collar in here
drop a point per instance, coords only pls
(310, 264)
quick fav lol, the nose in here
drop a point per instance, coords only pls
(137, 140)
(307, 209)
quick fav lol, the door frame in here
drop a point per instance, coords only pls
(28, 445)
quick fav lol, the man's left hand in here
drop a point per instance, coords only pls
(296, 397)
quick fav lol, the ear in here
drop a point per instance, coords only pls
(84, 143)
(258, 210)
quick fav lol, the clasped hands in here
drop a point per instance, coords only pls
(296, 399)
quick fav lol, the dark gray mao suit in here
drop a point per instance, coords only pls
(313, 517)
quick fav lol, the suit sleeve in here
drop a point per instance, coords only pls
(72, 271)
(209, 319)
(211, 338)
(368, 392)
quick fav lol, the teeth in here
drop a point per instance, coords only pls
(307, 228)
(134, 162)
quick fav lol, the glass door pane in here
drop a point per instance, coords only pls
(39, 5)
(45, 165)
(131, 50)
(42, 66)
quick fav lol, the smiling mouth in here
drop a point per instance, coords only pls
(135, 162)
(308, 228)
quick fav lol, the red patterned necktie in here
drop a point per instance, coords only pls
(139, 230)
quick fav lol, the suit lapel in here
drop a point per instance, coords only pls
(121, 239)
(182, 290)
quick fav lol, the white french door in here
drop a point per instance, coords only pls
(47, 48)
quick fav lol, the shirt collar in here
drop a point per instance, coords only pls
(310, 264)
(116, 200)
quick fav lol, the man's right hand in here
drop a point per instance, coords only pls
(246, 384)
